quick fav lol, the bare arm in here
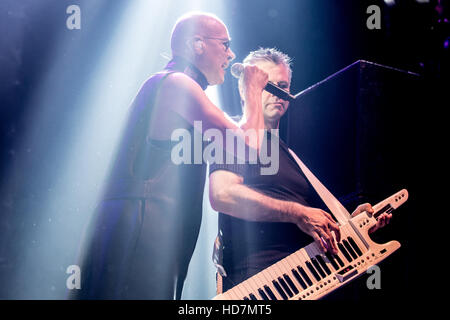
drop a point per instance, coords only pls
(184, 96)
(229, 195)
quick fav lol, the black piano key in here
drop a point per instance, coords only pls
(285, 287)
(338, 259)
(349, 249)
(279, 289)
(318, 268)
(305, 276)
(385, 208)
(246, 298)
(263, 294)
(252, 296)
(332, 261)
(354, 246)
(270, 293)
(290, 283)
(344, 252)
(313, 271)
(323, 264)
(299, 279)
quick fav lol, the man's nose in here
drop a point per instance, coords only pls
(231, 55)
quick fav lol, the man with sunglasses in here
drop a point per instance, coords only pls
(144, 231)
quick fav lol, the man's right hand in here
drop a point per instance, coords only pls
(319, 225)
(254, 81)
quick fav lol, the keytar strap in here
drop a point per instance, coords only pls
(333, 204)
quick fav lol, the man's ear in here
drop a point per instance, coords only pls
(197, 45)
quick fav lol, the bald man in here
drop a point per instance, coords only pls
(144, 231)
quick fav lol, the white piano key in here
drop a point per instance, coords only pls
(264, 278)
(283, 270)
(349, 232)
(273, 276)
(247, 287)
(287, 267)
(293, 264)
(312, 251)
(290, 261)
(316, 252)
(313, 268)
(305, 267)
(294, 259)
(330, 265)
(267, 279)
(251, 286)
(298, 258)
(233, 294)
(346, 230)
(299, 261)
(342, 257)
(260, 281)
(279, 268)
(240, 291)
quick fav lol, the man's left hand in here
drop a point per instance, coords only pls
(382, 221)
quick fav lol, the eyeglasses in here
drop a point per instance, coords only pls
(226, 42)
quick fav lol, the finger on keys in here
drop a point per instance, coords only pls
(334, 228)
(328, 248)
(319, 242)
(328, 240)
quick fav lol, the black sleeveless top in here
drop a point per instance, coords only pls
(143, 168)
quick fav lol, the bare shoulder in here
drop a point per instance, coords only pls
(180, 81)
(182, 94)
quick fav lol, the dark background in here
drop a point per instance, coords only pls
(322, 37)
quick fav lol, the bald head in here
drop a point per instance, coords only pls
(203, 40)
(190, 25)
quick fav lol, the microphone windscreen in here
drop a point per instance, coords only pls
(236, 69)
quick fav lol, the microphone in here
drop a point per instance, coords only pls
(238, 68)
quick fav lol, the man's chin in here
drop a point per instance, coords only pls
(216, 81)
(274, 116)
(277, 111)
